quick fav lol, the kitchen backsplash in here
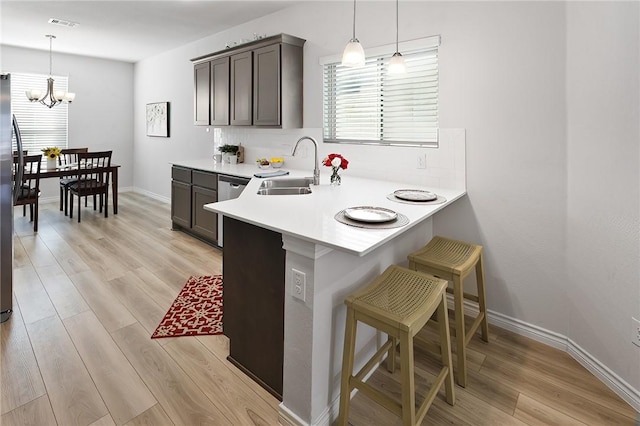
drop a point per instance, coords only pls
(445, 165)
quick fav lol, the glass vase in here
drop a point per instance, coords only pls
(335, 177)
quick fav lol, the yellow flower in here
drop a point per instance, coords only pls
(51, 152)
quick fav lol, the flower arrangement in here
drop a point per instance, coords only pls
(336, 162)
(51, 153)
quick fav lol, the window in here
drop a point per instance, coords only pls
(40, 126)
(365, 105)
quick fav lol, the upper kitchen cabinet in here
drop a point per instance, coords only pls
(220, 92)
(241, 89)
(201, 94)
(263, 85)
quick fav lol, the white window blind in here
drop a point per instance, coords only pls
(366, 105)
(40, 127)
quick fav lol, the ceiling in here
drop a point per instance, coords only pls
(123, 30)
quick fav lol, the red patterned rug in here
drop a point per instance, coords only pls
(196, 311)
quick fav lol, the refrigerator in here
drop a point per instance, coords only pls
(8, 191)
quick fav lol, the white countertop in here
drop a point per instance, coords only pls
(311, 216)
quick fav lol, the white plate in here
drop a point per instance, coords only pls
(415, 195)
(370, 214)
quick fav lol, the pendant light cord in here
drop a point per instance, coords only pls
(354, 19)
(397, 21)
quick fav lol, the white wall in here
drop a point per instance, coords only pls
(603, 232)
(101, 117)
(507, 77)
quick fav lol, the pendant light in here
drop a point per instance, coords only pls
(396, 63)
(52, 97)
(353, 55)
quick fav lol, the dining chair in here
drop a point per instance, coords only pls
(67, 158)
(29, 188)
(15, 154)
(93, 180)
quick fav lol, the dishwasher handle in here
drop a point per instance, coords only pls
(234, 181)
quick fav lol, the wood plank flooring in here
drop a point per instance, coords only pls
(88, 296)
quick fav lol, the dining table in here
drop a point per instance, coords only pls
(65, 171)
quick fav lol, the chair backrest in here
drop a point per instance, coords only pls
(95, 166)
(31, 178)
(70, 156)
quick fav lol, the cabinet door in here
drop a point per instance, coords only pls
(201, 93)
(204, 222)
(266, 86)
(181, 203)
(220, 92)
(241, 89)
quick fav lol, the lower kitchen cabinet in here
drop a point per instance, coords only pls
(254, 289)
(190, 191)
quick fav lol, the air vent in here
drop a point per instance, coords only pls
(63, 23)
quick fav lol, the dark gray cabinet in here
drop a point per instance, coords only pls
(241, 89)
(190, 191)
(264, 84)
(202, 93)
(181, 196)
(220, 92)
(211, 93)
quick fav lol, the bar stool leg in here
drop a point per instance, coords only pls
(445, 348)
(391, 357)
(482, 304)
(408, 385)
(461, 351)
(347, 367)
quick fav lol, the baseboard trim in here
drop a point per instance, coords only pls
(556, 340)
(287, 417)
(150, 194)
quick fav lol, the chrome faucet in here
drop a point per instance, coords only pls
(316, 170)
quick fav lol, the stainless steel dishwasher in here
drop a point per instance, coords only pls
(229, 187)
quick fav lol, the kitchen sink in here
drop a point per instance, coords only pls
(287, 183)
(284, 191)
(292, 186)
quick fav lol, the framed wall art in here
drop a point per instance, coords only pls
(158, 119)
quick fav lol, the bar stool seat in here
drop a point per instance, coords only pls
(454, 260)
(399, 303)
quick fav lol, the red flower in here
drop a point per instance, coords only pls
(328, 161)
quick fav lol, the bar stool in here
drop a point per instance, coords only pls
(453, 260)
(399, 302)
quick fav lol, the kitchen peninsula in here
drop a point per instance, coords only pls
(335, 260)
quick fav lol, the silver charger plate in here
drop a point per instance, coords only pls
(415, 195)
(370, 214)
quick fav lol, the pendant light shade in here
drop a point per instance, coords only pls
(353, 55)
(52, 97)
(396, 63)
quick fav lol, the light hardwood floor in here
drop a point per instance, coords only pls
(77, 350)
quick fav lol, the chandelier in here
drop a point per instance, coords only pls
(52, 97)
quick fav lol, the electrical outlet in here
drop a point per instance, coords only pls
(299, 284)
(422, 161)
(635, 336)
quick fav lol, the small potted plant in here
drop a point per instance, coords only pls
(228, 151)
